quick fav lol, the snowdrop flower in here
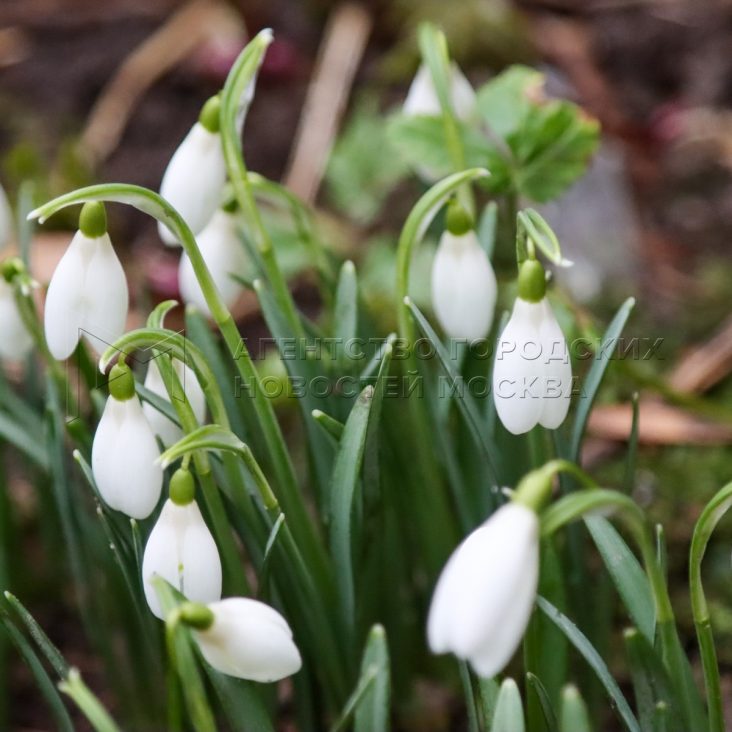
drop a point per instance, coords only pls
(194, 180)
(124, 452)
(484, 597)
(15, 340)
(87, 294)
(463, 283)
(244, 638)
(180, 548)
(422, 97)
(532, 375)
(223, 252)
(167, 430)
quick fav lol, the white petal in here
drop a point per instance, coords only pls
(463, 287)
(194, 180)
(64, 306)
(15, 340)
(517, 369)
(484, 596)
(557, 371)
(422, 98)
(181, 550)
(224, 254)
(123, 459)
(105, 296)
(168, 431)
(250, 640)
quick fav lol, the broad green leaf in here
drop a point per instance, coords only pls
(595, 375)
(241, 701)
(588, 652)
(420, 141)
(552, 148)
(506, 99)
(509, 714)
(626, 573)
(372, 711)
(27, 442)
(573, 716)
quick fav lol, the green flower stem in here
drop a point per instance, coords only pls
(234, 568)
(710, 517)
(74, 686)
(432, 500)
(235, 90)
(435, 55)
(291, 497)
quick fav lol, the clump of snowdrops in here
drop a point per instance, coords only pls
(414, 526)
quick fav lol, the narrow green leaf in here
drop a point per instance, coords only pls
(626, 572)
(573, 715)
(595, 375)
(346, 312)
(92, 708)
(331, 425)
(630, 457)
(241, 701)
(24, 440)
(588, 652)
(509, 714)
(546, 705)
(41, 677)
(344, 482)
(372, 711)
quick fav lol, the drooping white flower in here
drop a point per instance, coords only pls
(124, 452)
(249, 640)
(15, 340)
(422, 97)
(181, 550)
(87, 295)
(167, 430)
(224, 254)
(193, 182)
(463, 286)
(484, 597)
(532, 374)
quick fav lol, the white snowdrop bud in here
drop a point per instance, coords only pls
(167, 430)
(463, 285)
(194, 180)
(422, 97)
(222, 250)
(532, 374)
(484, 597)
(124, 452)
(87, 294)
(181, 550)
(15, 340)
(249, 640)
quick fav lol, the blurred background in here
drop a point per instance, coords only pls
(94, 92)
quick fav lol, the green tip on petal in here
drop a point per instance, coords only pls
(121, 382)
(182, 487)
(93, 219)
(531, 281)
(196, 615)
(209, 116)
(458, 221)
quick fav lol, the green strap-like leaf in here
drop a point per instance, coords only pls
(509, 714)
(593, 658)
(372, 711)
